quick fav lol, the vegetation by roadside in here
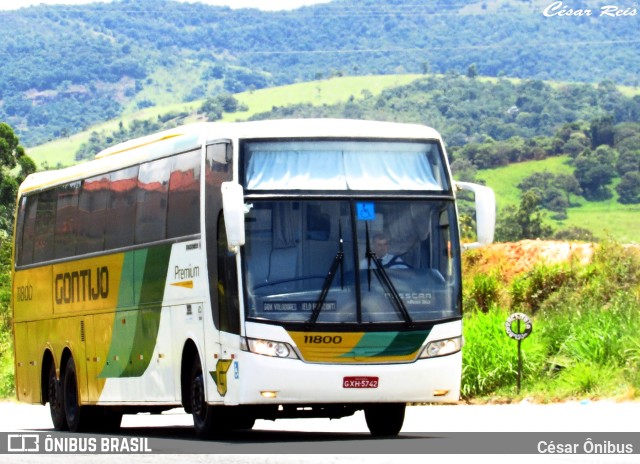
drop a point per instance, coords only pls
(585, 341)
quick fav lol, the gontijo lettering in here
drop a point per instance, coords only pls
(84, 285)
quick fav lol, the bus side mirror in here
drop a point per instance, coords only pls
(485, 213)
(233, 209)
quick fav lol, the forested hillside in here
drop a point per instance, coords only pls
(65, 67)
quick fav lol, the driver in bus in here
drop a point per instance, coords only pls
(380, 246)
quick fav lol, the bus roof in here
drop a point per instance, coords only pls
(191, 136)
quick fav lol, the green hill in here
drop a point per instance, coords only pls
(469, 112)
(61, 152)
(65, 68)
(603, 218)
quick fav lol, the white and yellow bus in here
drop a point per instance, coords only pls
(243, 271)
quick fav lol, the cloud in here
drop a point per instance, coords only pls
(261, 4)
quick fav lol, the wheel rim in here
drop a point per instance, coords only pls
(197, 397)
(55, 404)
(70, 396)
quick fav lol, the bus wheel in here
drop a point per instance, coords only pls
(56, 406)
(203, 414)
(72, 408)
(384, 420)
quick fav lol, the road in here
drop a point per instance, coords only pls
(336, 441)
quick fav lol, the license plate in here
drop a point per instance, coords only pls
(360, 382)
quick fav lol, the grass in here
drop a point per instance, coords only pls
(504, 180)
(585, 341)
(603, 218)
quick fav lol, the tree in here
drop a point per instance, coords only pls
(569, 184)
(629, 188)
(523, 222)
(472, 71)
(11, 154)
(602, 132)
(595, 170)
(628, 161)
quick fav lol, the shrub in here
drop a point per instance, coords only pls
(529, 291)
(484, 292)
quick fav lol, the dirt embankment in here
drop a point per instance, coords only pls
(511, 259)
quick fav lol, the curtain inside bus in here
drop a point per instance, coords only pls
(322, 165)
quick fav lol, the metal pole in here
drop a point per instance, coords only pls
(519, 359)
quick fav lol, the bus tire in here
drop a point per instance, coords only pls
(385, 420)
(204, 420)
(72, 409)
(56, 400)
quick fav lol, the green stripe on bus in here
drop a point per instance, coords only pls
(135, 331)
(387, 344)
(405, 343)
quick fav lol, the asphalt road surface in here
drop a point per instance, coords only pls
(347, 440)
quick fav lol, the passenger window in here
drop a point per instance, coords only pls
(152, 201)
(183, 217)
(44, 226)
(28, 210)
(66, 219)
(121, 209)
(92, 208)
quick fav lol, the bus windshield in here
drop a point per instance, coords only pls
(351, 260)
(344, 165)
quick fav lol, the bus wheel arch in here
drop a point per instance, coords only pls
(47, 362)
(51, 386)
(189, 354)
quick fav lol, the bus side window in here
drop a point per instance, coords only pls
(66, 219)
(44, 226)
(26, 229)
(92, 209)
(228, 300)
(183, 215)
(121, 208)
(152, 201)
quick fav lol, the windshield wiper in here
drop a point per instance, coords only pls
(328, 280)
(385, 281)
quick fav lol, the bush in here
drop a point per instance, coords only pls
(7, 388)
(529, 291)
(484, 292)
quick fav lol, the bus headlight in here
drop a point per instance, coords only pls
(268, 348)
(442, 347)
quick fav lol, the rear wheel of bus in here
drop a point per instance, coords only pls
(72, 409)
(83, 418)
(385, 420)
(56, 400)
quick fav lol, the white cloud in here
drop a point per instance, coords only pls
(261, 4)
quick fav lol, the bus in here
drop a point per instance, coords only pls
(243, 271)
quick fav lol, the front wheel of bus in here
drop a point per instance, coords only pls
(384, 420)
(56, 403)
(203, 413)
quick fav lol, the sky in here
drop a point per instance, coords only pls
(262, 4)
